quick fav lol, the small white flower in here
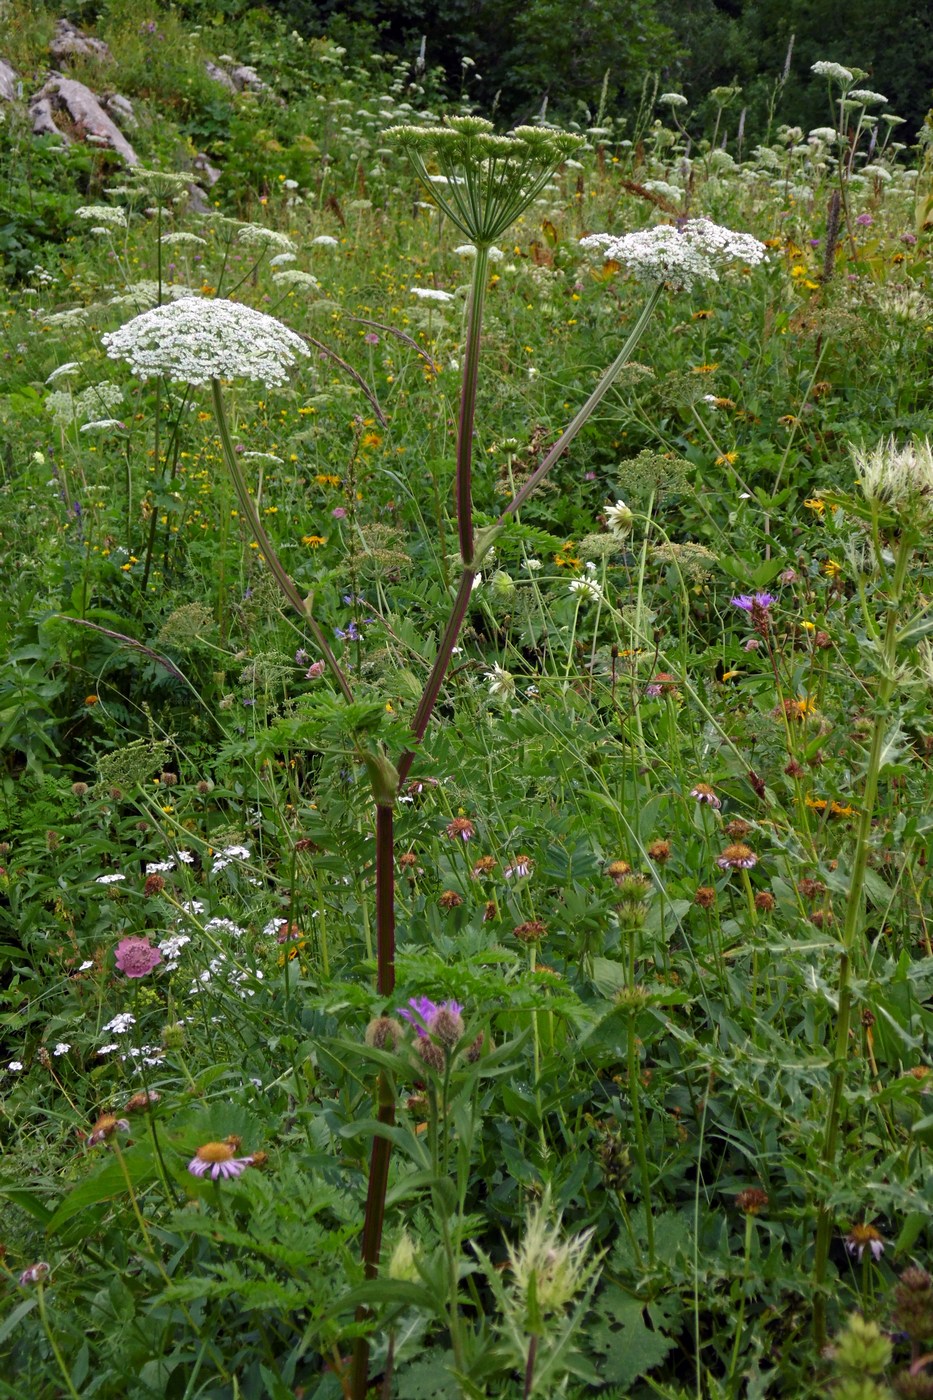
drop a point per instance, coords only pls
(106, 1049)
(186, 857)
(109, 879)
(86, 966)
(533, 565)
(324, 240)
(159, 867)
(61, 1048)
(682, 256)
(102, 214)
(121, 1023)
(14, 1066)
(588, 589)
(294, 277)
(501, 683)
(619, 519)
(102, 425)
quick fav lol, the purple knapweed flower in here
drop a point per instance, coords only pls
(429, 1016)
(747, 601)
(865, 220)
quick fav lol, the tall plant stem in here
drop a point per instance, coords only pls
(641, 1150)
(464, 450)
(372, 1223)
(282, 577)
(593, 402)
(464, 482)
(852, 928)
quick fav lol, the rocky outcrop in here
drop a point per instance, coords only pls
(120, 108)
(66, 96)
(69, 42)
(9, 83)
(236, 77)
(220, 75)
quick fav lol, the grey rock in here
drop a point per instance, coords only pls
(68, 95)
(9, 83)
(69, 42)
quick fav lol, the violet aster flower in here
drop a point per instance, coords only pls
(219, 1160)
(747, 601)
(136, 957)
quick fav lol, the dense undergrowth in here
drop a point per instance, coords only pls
(664, 845)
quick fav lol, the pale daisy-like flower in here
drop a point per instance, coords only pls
(824, 69)
(501, 683)
(224, 926)
(431, 294)
(586, 589)
(219, 1160)
(194, 341)
(682, 256)
(619, 519)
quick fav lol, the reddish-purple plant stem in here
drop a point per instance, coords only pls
(372, 1225)
(385, 901)
(439, 670)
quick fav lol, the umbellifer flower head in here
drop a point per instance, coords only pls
(683, 256)
(218, 1159)
(196, 340)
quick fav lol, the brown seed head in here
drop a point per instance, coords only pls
(531, 932)
(155, 884)
(705, 897)
(484, 866)
(737, 829)
(450, 899)
(659, 852)
(752, 1201)
(765, 901)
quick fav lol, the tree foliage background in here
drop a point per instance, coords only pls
(563, 49)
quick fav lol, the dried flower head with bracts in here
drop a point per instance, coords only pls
(862, 1237)
(681, 256)
(737, 857)
(195, 340)
(484, 179)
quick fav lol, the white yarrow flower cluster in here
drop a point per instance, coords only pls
(825, 69)
(195, 341)
(682, 256)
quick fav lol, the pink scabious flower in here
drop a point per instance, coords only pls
(136, 957)
(219, 1160)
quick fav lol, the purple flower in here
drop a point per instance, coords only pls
(315, 670)
(351, 634)
(865, 220)
(301, 657)
(219, 1160)
(339, 512)
(371, 338)
(747, 601)
(136, 957)
(423, 1013)
(909, 238)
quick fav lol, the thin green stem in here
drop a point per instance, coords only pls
(852, 927)
(50, 1335)
(464, 483)
(282, 577)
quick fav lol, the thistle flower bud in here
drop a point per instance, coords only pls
(403, 1263)
(384, 1033)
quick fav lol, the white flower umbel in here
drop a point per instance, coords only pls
(294, 277)
(866, 97)
(195, 341)
(431, 294)
(899, 479)
(672, 99)
(102, 214)
(324, 240)
(832, 71)
(64, 371)
(681, 257)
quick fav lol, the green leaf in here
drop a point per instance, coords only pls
(626, 1346)
(106, 1184)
